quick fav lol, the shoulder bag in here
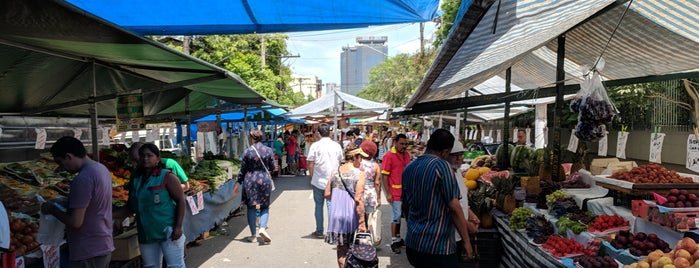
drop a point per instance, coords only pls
(265, 166)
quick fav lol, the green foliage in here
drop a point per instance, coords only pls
(241, 54)
(450, 8)
(395, 80)
(633, 101)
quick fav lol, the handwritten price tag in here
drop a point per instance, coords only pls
(52, 257)
(192, 205)
(603, 145)
(692, 153)
(573, 142)
(621, 144)
(656, 147)
(77, 133)
(200, 201)
(40, 138)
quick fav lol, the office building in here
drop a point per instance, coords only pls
(357, 61)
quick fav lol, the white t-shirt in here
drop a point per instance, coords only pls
(4, 228)
(464, 197)
(326, 155)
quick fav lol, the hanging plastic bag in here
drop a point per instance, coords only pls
(597, 106)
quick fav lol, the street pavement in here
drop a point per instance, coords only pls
(291, 222)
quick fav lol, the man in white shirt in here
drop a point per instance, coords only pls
(323, 159)
(456, 159)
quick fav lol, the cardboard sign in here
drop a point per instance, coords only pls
(52, 257)
(129, 108)
(621, 144)
(192, 205)
(692, 153)
(656, 147)
(602, 147)
(573, 142)
(200, 201)
(40, 138)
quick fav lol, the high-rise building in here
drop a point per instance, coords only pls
(357, 61)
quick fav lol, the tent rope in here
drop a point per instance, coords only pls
(610, 37)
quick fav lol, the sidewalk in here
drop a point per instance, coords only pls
(290, 225)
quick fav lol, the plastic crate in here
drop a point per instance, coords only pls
(624, 200)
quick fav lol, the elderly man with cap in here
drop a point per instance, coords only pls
(456, 159)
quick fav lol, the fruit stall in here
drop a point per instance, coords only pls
(210, 198)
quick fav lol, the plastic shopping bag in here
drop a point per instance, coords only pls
(374, 223)
(51, 230)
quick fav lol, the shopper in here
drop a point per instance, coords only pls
(169, 163)
(279, 151)
(257, 183)
(89, 217)
(372, 175)
(391, 170)
(155, 195)
(291, 145)
(456, 159)
(323, 159)
(346, 192)
(431, 203)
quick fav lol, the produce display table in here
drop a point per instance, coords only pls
(518, 252)
(217, 207)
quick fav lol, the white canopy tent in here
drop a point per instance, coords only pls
(336, 103)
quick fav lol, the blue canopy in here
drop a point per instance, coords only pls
(184, 17)
(238, 116)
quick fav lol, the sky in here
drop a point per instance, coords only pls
(320, 51)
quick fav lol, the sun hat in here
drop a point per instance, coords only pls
(457, 148)
(357, 151)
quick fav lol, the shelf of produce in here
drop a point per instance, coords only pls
(518, 252)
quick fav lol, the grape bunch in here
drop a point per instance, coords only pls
(558, 194)
(519, 217)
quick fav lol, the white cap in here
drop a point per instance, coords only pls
(457, 148)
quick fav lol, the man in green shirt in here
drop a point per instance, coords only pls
(169, 163)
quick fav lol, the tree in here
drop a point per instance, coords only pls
(395, 80)
(241, 54)
(450, 9)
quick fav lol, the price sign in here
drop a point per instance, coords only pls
(603, 145)
(499, 136)
(200, 201)
(692, 153)
(656, 147)
(52, 257)
(192, 205)
(77, 133)
(105, 135)
(40, 138)
(621, 144)
(573, 142)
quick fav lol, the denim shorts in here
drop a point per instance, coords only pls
(395, 209)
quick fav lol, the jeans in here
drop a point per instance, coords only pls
(396, 212)
(318, 197)
(252, 218)
(152, 254)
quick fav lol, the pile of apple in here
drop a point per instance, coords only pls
(684, 255)
(639, 244)
(561, 247)
(592, 247)
(605, 222)
(23, 236)
(680, 199)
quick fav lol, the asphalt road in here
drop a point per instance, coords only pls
(290, 225)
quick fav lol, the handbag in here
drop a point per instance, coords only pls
(265, 166)
(361, 254)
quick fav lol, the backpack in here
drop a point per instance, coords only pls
(361, 254)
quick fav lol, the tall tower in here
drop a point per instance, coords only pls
(357, 61)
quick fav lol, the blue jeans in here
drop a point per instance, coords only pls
(318, 198)
(152, 254)
(252, 218)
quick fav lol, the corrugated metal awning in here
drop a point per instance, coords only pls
(654, 38)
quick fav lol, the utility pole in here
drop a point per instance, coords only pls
(264, 50)
(422, 40)
(281, 59)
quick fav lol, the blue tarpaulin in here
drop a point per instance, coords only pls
(186, 17)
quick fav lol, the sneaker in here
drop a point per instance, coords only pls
(317, 235)
(250, 239)
(395, 247)
(264, 235)
(400, 242)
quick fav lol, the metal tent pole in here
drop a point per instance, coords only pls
(506, 119)
(93, 115)
(560, 77)
(335, 115)
(188, 140)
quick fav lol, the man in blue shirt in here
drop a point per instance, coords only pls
(431, 205)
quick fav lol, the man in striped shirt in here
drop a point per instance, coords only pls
(432, 208)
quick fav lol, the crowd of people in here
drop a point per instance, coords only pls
(347, 177)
